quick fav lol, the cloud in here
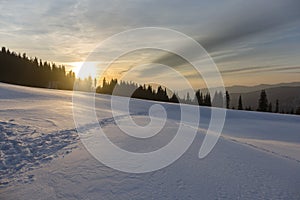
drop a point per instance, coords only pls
(236, 33)
(251, 18)
(244, 20)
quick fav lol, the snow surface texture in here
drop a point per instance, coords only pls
(257, 157)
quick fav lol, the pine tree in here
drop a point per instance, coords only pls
(95, 82)
(270, 109)
(227, 100)
(174, 98)
(298, 111)
(104, 82)
(277, 106)
(199, 97)
(249, 108)
(188, 98)
(17, 68)
(240, 106)
(203, 100)
(263, 102)
(207, 100)
(218, 100)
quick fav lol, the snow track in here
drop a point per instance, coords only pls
(22, 149)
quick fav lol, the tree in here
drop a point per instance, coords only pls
(207, 100)
(227, 99)
(218, 99)
(270, 109)
(161, 94)
(188, 98)
(277, 106)
(249, 108)
(263, 102)
(17, 68)
(174, 98)
(240, 106)
(104, 82)
(95, 83)
(199, 98)
(298, 111)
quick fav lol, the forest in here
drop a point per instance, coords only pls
(23, 70)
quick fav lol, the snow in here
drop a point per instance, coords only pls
(42, 157)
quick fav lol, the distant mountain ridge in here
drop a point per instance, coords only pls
(247, 89)
(288, 95)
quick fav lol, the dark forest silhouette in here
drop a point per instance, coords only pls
(130, 89)
(23, 70)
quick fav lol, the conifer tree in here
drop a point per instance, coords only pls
(263, 102)
(174, 98)
(227, 99)
(297, 111)
(277, 106)
(199, 97)
(240, 106)
(270, 109)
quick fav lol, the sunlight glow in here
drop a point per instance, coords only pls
(84, 69)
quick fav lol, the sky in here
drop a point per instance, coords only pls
(251, 42)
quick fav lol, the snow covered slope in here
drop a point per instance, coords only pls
(257, 157)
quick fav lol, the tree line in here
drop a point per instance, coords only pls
(23, 70)
(130, 89)
(264, 105)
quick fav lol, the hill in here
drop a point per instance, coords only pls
(257, 156)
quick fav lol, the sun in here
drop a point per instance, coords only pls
(85, 69)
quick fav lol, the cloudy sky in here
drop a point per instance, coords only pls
(251, 42)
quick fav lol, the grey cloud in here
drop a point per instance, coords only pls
(257, 69)
(246, 19)
(66, 30)
(252, 18)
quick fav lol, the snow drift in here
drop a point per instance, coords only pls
(257, 156)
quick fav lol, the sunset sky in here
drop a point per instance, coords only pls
(251, 42)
